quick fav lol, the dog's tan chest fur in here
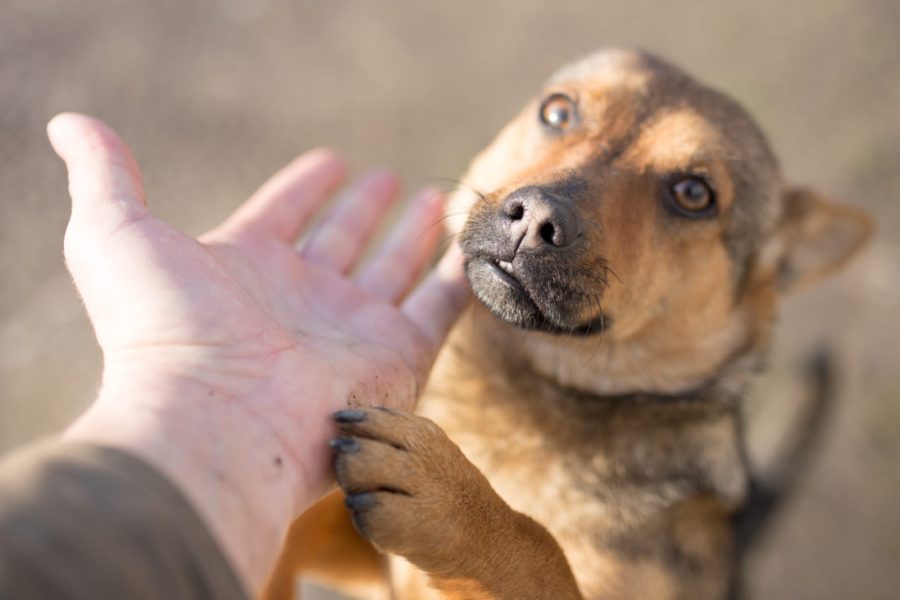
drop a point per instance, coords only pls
(617, 485)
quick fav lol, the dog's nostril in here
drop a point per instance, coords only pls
(536, 219)
(514, 210)
(547, 233)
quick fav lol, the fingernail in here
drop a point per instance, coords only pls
(349, 416)
(452, 262)
(430, 196)
(345, 445)
(360, 501)
(381, 177)
(52, 126)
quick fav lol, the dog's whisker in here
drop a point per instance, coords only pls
(446, 241)
(457, 185)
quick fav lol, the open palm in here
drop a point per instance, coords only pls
(243, 313)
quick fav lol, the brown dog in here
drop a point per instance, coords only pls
(628, 240)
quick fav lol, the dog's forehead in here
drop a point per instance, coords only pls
(675, 122)
(677, 139)
(612, 67)
(649, 90)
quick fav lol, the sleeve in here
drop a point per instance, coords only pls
(84, 522)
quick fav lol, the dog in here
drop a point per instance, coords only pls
(627, 236)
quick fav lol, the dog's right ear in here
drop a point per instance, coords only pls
(814, 239)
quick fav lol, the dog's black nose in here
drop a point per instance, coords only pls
(539, 219)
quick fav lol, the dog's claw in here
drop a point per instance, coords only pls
(345, 445)
(362, 501)
(349, 416)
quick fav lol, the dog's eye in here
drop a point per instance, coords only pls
(692, 197)
(558, 112)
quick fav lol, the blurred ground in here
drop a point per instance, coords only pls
(214, 95)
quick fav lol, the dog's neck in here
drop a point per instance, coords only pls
(718, 368)
(484, 390)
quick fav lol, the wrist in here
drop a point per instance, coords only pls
(227, 459)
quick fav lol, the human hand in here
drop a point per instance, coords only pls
(225, 356)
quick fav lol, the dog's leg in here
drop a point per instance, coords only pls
(411, 491)
(323, 546)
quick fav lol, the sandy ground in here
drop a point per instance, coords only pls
(214, 95)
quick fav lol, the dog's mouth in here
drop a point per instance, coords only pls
(504, 270)
(505, 290)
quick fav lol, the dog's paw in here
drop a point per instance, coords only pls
(409, 488)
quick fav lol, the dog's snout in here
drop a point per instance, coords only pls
(538, 219)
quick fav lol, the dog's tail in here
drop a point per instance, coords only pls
(772, 488)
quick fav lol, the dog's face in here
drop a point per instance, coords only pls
(637, 223)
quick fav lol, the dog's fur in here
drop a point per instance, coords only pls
(595, 390)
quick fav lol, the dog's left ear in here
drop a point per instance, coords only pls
(815, 238)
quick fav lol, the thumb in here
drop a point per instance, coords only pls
(107, 195)
(104, 180)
